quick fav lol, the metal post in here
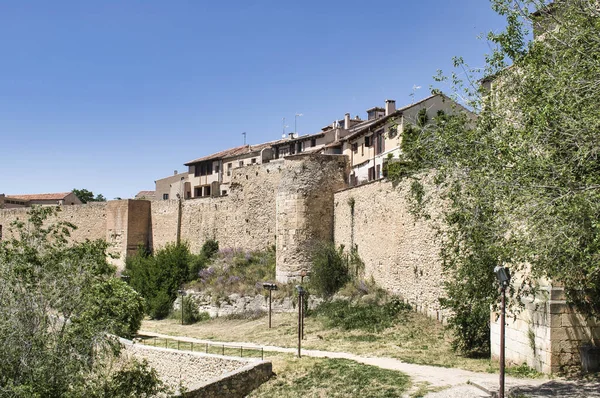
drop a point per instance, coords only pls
(502, 341)
(242, 351)
(302, 318)
(270, 308)
(299, 324)
(207, 348)
(223, 352)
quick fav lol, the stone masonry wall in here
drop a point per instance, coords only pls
(124, 224)
(244, 219)
(202, 375)
(546, 335)
(305, 209)
(400, 252)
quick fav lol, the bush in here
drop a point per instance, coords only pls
(372, 317)
(115, 305)
(158, 278)
(329, 269)
(191, 314)
(210, 248)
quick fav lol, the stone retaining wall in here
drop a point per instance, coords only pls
(200, 374)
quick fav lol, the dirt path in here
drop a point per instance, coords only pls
(461, 382)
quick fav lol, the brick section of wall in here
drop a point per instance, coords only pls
(399, 251)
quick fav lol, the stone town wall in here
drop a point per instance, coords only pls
(124, 224)
(90, 220)
(244, 219)
(400, 252)
(305, 209)
(202, 375)
(546, 335)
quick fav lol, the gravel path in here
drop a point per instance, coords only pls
(457, 383)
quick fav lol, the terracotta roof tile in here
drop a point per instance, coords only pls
(41, 196)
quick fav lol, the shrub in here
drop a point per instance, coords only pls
(329, 269)
(372, 317)
(158, 278)
(210, 248)
(191, 314)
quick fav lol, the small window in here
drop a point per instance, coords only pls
(229, 166)
(368, 141)
(241, 164)
(217, 169)
(355, 147)
(165, 196)
(313, 142)
(223, 193)
(253, 160)
(207, 190)
(362, 150)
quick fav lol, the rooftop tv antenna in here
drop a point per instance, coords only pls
(244, 134)
(284, 126)
(414, 90)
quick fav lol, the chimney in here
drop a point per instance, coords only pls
(347, 121)
(175, 172)
(390, 107)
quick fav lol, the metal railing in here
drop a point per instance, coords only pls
(206, 347)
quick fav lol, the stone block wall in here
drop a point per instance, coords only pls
(399, 251)
(305, 209)
(202, 375)
(546, 335)
(124, 224)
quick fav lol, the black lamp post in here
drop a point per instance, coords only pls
(181, 293)
(270, 287)
(300, 317)
(503, 276)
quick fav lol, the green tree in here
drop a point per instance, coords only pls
(158, 277)
(523, 181)
(88, 196)
(330, 270)
(57, 312)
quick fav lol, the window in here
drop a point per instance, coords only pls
(217, 168)
(165, 196)
(378, 172)
(379, 142)
(313, 142)
(355, 147)
(241, 163)
(202, 169)
(207, 190)
(197, 192)
(362, 149)
(368, 141)
(299, 147)
(371, 173)
(253, 160)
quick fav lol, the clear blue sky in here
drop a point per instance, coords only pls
(112, 95)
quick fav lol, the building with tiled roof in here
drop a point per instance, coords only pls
(44, 199)
(145, 195)
(365, 142)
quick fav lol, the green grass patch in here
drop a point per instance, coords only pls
(325, 377)
(523, 371)
(372, 317)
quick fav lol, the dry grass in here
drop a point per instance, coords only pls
(418, 340)
(325, 377)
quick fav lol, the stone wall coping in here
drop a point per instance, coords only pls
(197, 354)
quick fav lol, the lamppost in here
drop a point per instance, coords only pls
(270, 287)
(503, 276)
(181, 293)
(300, 317)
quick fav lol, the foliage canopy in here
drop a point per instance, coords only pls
(523, 181)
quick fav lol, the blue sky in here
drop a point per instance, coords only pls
(112, 95)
